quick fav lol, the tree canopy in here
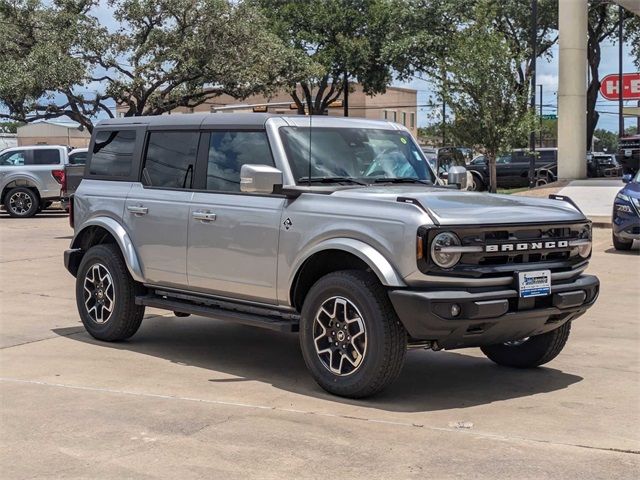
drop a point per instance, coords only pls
(162, 54)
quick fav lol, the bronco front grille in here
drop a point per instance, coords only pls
(545, 246)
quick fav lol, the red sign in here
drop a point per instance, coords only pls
(609, 87)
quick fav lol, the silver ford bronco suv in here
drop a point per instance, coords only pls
(334, 228)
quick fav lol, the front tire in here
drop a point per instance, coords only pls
(351, 338)
(21, 202)
(106, 294)
(621, 244)
(477, 185)
(530, 352)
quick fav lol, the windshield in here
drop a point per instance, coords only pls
(362, 155)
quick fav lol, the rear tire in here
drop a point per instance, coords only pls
(351, 338)
(106, 294)
(621, 244)
(532, 352)
(21, 202)
(477, 185)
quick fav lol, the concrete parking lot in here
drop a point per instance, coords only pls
(195, 398)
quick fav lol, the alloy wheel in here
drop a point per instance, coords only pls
(20, 203)
(340, 336)
(99, 295)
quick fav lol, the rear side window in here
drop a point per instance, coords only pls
(170, 159)
(46, 157)
(77, 158)
(113, 153)
(12, 159)
(228, 151)
(547, 156)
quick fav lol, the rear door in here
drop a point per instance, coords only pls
(233, 236)
(157, 207)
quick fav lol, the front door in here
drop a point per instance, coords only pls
(233, 237)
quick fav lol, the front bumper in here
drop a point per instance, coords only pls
(490, 316)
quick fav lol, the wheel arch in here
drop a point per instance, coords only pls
(339, 254)
(107, 230)
(19, 180)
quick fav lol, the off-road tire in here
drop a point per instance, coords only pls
(385, 335)
(534, 352)
(30, 194)
(621, 244)
(126, 316)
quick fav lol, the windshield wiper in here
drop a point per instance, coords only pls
(330, 180)
(402, 180)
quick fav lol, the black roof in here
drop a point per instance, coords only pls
(255, 120)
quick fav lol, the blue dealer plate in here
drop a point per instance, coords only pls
(534, 284)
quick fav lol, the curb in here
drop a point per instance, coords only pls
(600, 221)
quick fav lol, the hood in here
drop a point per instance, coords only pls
(455, 207)
(631, 188)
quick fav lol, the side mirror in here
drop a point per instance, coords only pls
(259, 178)
(626, 178)
(458, 176)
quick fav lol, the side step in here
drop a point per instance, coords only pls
(253, 319)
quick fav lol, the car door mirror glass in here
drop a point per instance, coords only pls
(259, 178)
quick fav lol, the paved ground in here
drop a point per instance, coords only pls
(594, 196)
(195, 398)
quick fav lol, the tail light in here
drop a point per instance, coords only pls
(60, 177)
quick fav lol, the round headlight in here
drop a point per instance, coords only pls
(584, 250)
(439, 253)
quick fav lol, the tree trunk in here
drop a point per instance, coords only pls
(493, 181)
(593, 59)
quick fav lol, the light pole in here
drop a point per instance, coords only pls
(532, 135)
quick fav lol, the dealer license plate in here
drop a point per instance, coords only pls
(534, 284)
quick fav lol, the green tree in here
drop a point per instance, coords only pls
(602, 27)
(607, 141)
(162, 55)
(481, 91)
(333, 40)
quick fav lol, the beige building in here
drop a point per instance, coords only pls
(396, 105)
(53, 133)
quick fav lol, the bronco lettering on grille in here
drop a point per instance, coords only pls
(525, 246)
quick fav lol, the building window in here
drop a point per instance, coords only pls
(412, 119)
(404, 118)
(395, 116)
(386, 114)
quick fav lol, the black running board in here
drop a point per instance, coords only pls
(252, 319)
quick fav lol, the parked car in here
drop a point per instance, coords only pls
(626, 213)
(73, 173)
(31, 178)
(629, 153)
(512, 170)
(339, 232)
(600, 164)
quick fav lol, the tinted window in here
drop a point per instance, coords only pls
(12, 159)
(547, 156)
(78, 158)
(46, 157)
(228, 151)
(112, 153)
(170, 159)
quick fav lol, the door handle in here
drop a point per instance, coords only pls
(204, 216)
(138, 210)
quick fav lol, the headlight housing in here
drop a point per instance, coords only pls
(584, 250)
(439, 246)
(622, 196)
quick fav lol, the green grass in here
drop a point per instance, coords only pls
(509, 191)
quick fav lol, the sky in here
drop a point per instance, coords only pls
(547, 76)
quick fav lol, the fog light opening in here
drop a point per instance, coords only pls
(455, 310)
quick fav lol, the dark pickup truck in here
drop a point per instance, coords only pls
(73, 173)
(512, 170)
